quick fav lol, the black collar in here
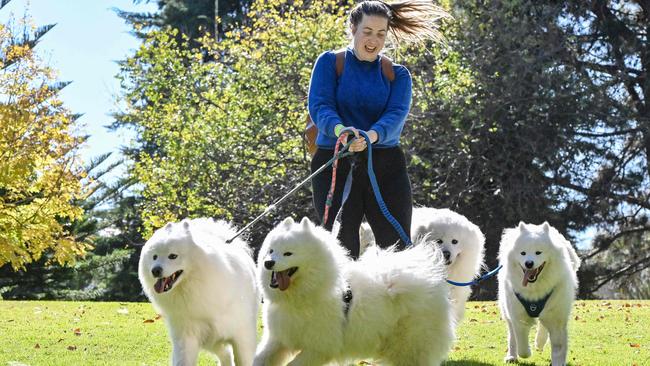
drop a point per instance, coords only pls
(347, 300)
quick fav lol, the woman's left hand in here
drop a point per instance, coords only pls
(373, 135)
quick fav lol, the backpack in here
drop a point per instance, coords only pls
(311, 131)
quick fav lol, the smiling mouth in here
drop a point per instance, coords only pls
(531, 275)
(282, 279)
(370, 49)
(165, 284)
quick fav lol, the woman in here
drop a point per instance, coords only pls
(361, 96)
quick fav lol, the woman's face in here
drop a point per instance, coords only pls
(369, 37)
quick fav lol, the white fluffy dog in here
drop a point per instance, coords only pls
(204, 289)
(320, 307)
(462, 244)
(538, 279)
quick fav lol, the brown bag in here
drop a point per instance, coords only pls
(311, 131)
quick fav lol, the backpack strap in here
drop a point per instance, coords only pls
(386, 65)
(340, 62)
(387, 68)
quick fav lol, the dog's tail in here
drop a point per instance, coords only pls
(419, 269)
(541, 337)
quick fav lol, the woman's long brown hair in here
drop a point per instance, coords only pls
(411, 21)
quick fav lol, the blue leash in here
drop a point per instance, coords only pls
(378, 198)
(396, 225)
(476, 281)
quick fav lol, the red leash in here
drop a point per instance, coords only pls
(330, 194)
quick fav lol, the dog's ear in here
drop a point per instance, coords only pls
(168, 227)
(546, 227)
(287, 222)
(522, 227)
(305, 223)
(186, 225)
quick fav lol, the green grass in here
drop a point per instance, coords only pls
(75, 333)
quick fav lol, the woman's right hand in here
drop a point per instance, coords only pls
(359, 143)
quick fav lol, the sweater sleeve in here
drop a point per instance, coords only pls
(390, 124)
(322, 94)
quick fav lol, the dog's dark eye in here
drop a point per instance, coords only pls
(155, 256)
(271, 251)
(523, 253)
(288, 254)
(439, 241)
(454, 241)
(172, 256)
(538, 252)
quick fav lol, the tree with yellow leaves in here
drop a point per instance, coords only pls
(40, 171)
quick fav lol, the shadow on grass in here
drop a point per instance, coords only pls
(479, 363)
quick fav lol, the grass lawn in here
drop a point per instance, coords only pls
(76, 333)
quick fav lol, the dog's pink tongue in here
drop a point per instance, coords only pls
(159, 286)
(283, 280)
(529, 273)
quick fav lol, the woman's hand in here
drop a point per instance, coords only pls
(359, 143)
(373, 135)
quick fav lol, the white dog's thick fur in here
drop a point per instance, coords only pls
(204, 289)
(398, 313)
(537, 261)
(462, 243)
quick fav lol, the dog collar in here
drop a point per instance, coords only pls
(347, 300)
(533, 308)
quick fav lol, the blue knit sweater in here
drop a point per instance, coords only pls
(361, 97)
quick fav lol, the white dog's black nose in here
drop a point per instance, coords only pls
(269, 264)
(529, 264)
(447, 254)
(156, 271)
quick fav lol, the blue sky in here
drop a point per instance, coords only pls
(83, 46)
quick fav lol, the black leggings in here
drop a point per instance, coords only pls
(389, 166)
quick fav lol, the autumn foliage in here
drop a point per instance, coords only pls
(40, 174)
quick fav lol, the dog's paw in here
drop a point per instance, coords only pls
(510, 359)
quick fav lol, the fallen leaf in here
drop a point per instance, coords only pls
(37, 346)
(148, 321)
(635, 345)
(72, 348)
(77, 331)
